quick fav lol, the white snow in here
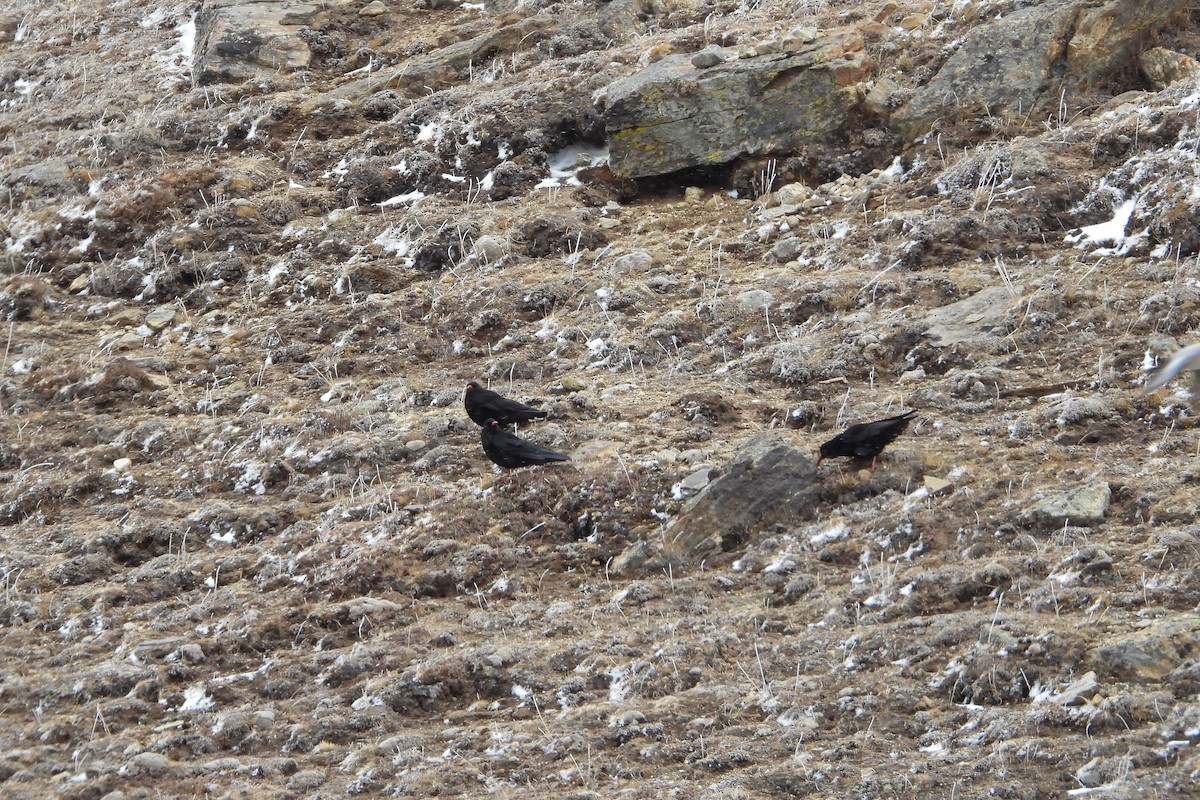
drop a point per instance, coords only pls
(831, 533)
(618, 687)
(394, 241)
(177, 58)
(403, 199)
(567, 162)
(275, 273)
(195, 698)
(428, 132)
(1111, 231)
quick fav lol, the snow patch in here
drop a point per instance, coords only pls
(195, 698)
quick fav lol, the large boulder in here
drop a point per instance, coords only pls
(1023, 64)
(1110, 35)
(673, 114)
(1002, 67)
(767, 482)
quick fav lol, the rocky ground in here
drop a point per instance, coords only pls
(251, 548)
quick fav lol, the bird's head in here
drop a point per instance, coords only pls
(472, 385)
(491, 423)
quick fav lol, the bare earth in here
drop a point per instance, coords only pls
(250, 546)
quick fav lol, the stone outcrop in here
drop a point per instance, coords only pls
(766, 482)
(1151, 653)
(1163, 67)
(444, 67)
(453, 63)
(1108, 36)
(239, 40)
(673, 115)
(1022, 63)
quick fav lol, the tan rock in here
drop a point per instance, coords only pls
(935, 485)
(160, 318)
(1163, 67)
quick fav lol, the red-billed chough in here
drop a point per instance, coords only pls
(866, 440)
(511, 451)
(484, 404)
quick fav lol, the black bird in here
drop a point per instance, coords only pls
(866, 440)
(484, 404)
(509, 450)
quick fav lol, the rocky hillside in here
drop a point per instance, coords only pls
(250, 546)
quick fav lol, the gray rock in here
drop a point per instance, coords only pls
(1149, 654)
(1090, 775)
(150, 763)
(640, 558)
(158, 648)
(240, 39)
(1086, 504)
(788, 249)
(695, 482)
(882, 96)
(1079, 692)
(754, 300)
(1002, 66)
(191, 653)
(671, 115)
(1014, 64)
(972, 317)
(452, 64)
(491, 248)
(766, 482)
(792, 194)
(709, 57)
(160, 318)
(636, 261)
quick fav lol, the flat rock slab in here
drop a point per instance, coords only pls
(766, 482)
(1150, 654)
(1085, 504)
(979, 315)
(241, 39)
(673, 115)
(452, 64)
